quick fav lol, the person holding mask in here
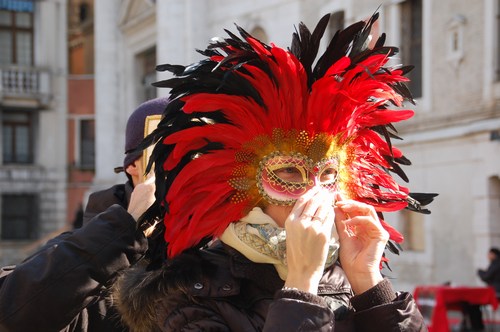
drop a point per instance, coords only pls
(64, 286)
(272, 170)
(133, 162)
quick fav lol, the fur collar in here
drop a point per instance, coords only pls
(138, 293)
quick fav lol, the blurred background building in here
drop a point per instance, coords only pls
(81, 119)
(94, 62)
(33, 112)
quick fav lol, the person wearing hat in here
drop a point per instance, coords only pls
(65, 285)
(133, 162)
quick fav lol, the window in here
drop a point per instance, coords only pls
(455, 49)
(412, 228)
(17, 137)
(336, 22)
(16, 38)
(19, 217)
(87, 144)
(494, 206)
(411, 43)
(147, 65)
(259, 33)
(83, 13)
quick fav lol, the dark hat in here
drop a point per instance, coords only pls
(134, 133)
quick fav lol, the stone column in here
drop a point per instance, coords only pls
(180, 27)
(109, 144)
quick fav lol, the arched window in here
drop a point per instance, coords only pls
(83, 12)
(337, 22)
(260, 34)
(411, 42)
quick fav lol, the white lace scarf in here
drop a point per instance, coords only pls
(261, 240)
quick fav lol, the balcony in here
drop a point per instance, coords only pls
(22, 86)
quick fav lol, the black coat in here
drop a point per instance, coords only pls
(64, 286)
(217, 289)
(492, 275)
(101, 200)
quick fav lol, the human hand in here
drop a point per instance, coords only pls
(308, 233)
(362, 243)
(142, 197)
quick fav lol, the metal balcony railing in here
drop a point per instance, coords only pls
(25, 82)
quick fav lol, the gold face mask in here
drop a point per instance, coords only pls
(282, 179)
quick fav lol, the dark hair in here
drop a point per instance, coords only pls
(496, 251)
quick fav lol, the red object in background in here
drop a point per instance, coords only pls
(434, 301)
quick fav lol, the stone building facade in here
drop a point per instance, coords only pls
(80, 112)
(453, 140)
(33, 93)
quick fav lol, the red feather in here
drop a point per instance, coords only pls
(345, 102)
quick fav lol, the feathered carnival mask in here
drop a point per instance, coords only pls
(255, 124)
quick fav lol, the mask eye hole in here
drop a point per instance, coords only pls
(328, 172)
(290, 173)
(328, 175)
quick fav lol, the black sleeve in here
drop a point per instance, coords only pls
(489, 275)
(294, 310)
(50, 288)
(392, 311)
(99, 201)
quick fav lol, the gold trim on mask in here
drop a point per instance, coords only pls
(296, 185)
(315, 148)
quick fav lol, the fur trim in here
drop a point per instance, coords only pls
(139, 295)
(135, 295)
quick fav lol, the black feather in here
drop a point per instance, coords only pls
(416, 201)
(362, 39)
(305, 45)
(396, 168)
(403, 90)
(174, 69)
(337, 48)
(393, 247)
